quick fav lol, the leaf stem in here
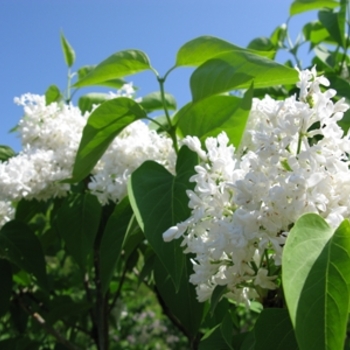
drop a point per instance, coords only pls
(171, 129)
(68, 97)
(157, 123)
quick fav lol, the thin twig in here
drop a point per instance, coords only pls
(49, 329)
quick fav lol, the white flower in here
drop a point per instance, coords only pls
(293, 160)
(134, 145)
(7, 212)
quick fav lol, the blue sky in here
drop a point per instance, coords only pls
(31, 57)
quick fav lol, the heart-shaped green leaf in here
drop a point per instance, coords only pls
(316, 280)
(159, 201)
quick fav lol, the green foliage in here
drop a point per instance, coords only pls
(6, 153)
(112, 241)
(77, 223)
(201, 49)
(158, 199)
(153, 102)
(52, 94)
(68, 52)
(299, 6)
(231, 114)
(183, 304)
(20, 246)
(6, 286)
(334, 22)
(273, 330)
(236, 70)
(103, 125)
(113, 83)
(316, 279)
(86, 102)
(77, 274)
(118, 65)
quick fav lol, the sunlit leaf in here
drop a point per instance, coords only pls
(103, 125)
(237, 70)
(299, 6)
(113, 83)
(153, 102)
(231, 114)
(203, 48)
(118, 65)
(68, 52)
(316, 280)
(86, 102)
(334, 22)
(52, 94)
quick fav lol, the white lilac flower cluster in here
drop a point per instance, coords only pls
(134, 145)
(293, 160)
(50, 137)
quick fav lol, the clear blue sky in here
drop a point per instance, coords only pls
(31, 57)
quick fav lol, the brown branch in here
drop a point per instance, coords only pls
(49, 329)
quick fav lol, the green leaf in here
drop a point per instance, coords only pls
(112, 241)
(159, 201)
(216, 296)
(299, 6)
(262, 44)
(103, 125)
(236, 70)
(153, 102)
(19, 245)
(68, 52)
(52, 94)
(86, 102)
(341, 85)
(6, 153)
(344, 123)
(118, 65)
(273, 330)
(239, 339)
(278, 36)
(113, 83)
(162, 120)
(226, 329)
(182, 304)
(6, 286)
(231, 115)
(203, 48)
(324, 58)
(248, 342)
(316, 279)
(213, 339)
(78, 220)
(26, 210)
(335, 24)
(134, 237)
(316, 33)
